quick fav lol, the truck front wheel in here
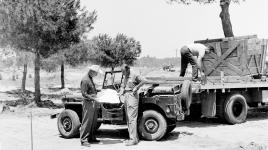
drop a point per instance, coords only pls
(152, 125)
(68, 123)
(235, 109)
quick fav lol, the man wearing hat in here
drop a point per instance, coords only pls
(187, 56)
(89, 115)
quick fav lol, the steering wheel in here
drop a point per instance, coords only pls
(116, 87)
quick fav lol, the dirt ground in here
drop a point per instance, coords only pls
(202, 134)
(188, 135)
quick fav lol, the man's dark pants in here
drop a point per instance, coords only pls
(187, 57)
(89, 121)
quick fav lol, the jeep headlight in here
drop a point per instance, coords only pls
(168, 109)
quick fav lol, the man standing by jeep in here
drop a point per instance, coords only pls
(89, 115)
(130, 86)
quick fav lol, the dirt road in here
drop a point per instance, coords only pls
(188, 135)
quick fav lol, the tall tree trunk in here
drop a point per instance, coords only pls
(24, 77)
(37, 94)
(225, 18)
(62, 75)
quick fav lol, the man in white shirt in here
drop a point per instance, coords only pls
(187, 56)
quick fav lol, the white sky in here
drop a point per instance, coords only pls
(162, 28)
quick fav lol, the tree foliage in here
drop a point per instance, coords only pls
(224, 15)
(78, 53)
(152, 62)
(51, 63)
(112, 52)
(44, 26)
(24, 58)
(187, 2)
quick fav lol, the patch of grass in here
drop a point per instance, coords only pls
(27, 98)
(49, 104)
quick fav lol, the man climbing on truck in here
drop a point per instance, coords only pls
(187, 56)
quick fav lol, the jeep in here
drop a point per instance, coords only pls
(161, 105)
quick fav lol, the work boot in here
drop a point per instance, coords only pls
(86, 144)
(94, 140)
(131, 142)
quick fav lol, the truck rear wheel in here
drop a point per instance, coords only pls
(235, 109)
(68, 123)
(152, 125)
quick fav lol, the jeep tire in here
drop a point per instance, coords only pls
(68, 123)
(152, 125)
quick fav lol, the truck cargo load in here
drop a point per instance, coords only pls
(235, 56)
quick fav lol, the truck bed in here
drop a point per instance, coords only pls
(218, 83)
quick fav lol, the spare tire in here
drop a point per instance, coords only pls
(68, 123)
(186, 95)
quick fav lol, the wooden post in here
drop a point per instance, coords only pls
(31, 130)
(222, 77)
(37, 92)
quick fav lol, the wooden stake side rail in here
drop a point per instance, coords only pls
(211, 86)
(217, 83)
(226, 39)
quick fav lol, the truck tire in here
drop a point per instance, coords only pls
(235, 109)
(152, 125)
(68, 123)
(186, 95)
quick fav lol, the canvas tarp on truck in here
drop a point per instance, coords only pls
(235, 56)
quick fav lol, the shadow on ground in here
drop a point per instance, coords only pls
(253, 115)
(174, 135)
(116, 135)
(110, 136)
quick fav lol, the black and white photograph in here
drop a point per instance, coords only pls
(133, 75)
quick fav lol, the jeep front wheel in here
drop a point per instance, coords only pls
(68, 123)
(152, 125)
